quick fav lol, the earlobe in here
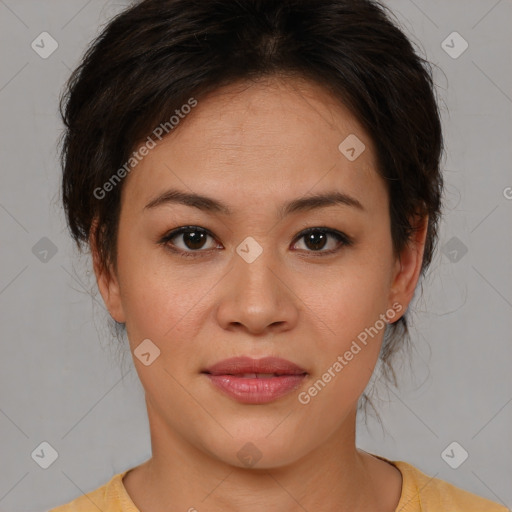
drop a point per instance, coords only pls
(107, 281)
(408, 265)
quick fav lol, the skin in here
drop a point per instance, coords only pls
(255, 146)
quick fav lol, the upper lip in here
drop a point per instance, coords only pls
(241, 365)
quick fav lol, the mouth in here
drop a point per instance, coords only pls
(252, 375)
(255, 381)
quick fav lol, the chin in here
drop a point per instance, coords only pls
(259, 451)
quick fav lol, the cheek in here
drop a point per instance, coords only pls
(351, 297)
(350, 309)
(160, 305)
(153, 294)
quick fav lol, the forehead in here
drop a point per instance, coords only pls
(281, 112)
(274, 137)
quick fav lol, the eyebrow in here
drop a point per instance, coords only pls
(209, 204)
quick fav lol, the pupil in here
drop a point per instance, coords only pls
(194, 239)
(315, 240)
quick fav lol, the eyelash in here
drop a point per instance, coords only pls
(342, 238)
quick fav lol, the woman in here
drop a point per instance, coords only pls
(259, 186)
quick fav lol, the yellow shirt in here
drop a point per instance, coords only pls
(420, 493)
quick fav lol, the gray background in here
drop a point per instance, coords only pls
(62, 380)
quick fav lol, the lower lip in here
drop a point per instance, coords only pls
(254, 390)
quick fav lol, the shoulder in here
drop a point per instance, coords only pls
(424, 493)
(110, 497)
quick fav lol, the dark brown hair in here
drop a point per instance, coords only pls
(153, 57)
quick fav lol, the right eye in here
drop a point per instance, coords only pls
(192, 240)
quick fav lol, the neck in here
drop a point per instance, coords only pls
(334, 477)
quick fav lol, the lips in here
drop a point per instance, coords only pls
(255, 381)
(246, 366)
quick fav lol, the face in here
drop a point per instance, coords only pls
(250, 278)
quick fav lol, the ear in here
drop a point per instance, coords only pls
(106, 278)
(408, 265)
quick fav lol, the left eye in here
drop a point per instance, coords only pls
(193, 240)
(316, 239)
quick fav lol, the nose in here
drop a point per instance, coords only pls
(257, 297)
